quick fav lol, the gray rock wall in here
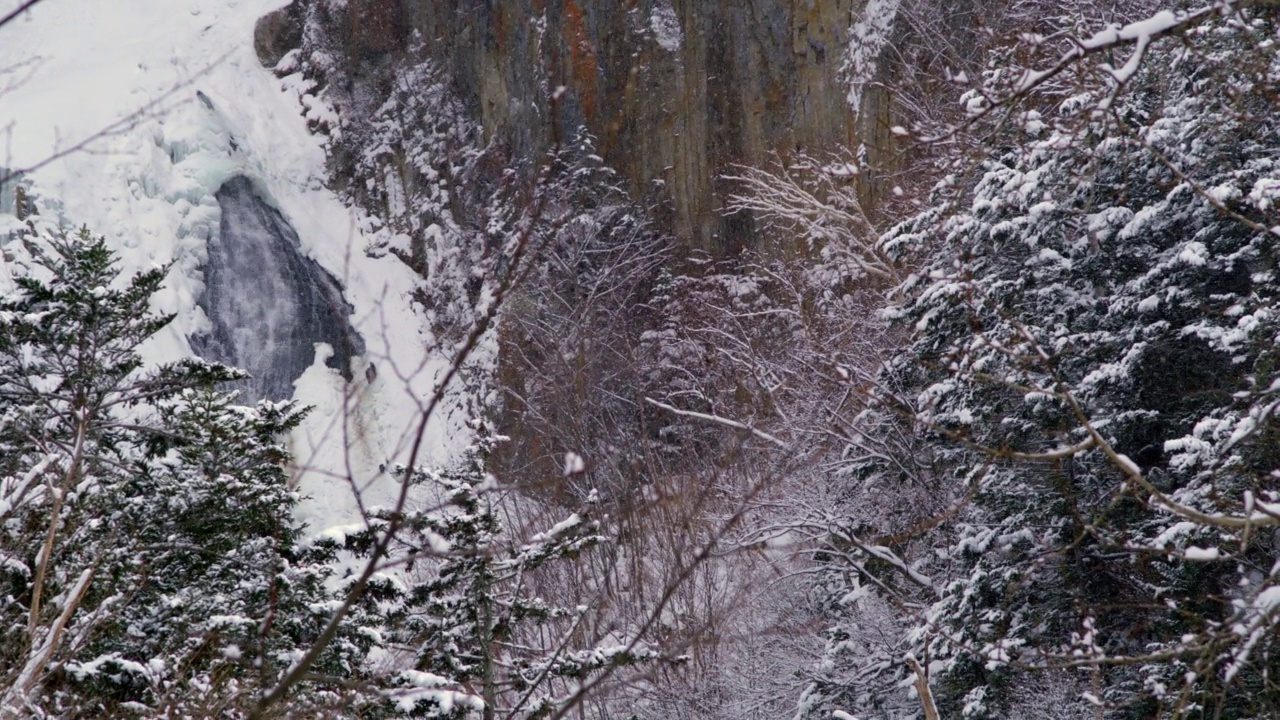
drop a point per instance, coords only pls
(676, 92)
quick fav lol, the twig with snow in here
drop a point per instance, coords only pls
(719, 421)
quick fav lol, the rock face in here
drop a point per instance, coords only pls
(276, 33)
(676, 92)
(269, 304)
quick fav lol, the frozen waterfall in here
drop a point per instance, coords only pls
(268, 303)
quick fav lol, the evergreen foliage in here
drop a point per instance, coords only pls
(1092, 360)
(151, 564)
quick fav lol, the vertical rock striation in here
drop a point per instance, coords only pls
(676, 92)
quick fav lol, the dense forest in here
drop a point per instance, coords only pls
(641, 360)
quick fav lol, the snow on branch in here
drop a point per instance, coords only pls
(817, 201)
(719, 421)
(1139, 33)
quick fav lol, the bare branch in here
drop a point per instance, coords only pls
(719, 421)
(18, 11)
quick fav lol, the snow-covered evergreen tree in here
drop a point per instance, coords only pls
(151, 564)
(1092, 358)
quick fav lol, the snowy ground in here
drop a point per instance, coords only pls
(70, 68)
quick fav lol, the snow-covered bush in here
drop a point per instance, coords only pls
(473, 631)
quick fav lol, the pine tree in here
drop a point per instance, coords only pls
(151, 564)
(1092, 359)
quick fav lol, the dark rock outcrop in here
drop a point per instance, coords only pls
(278, 32)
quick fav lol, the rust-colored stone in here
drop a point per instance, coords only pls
(584, 64)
